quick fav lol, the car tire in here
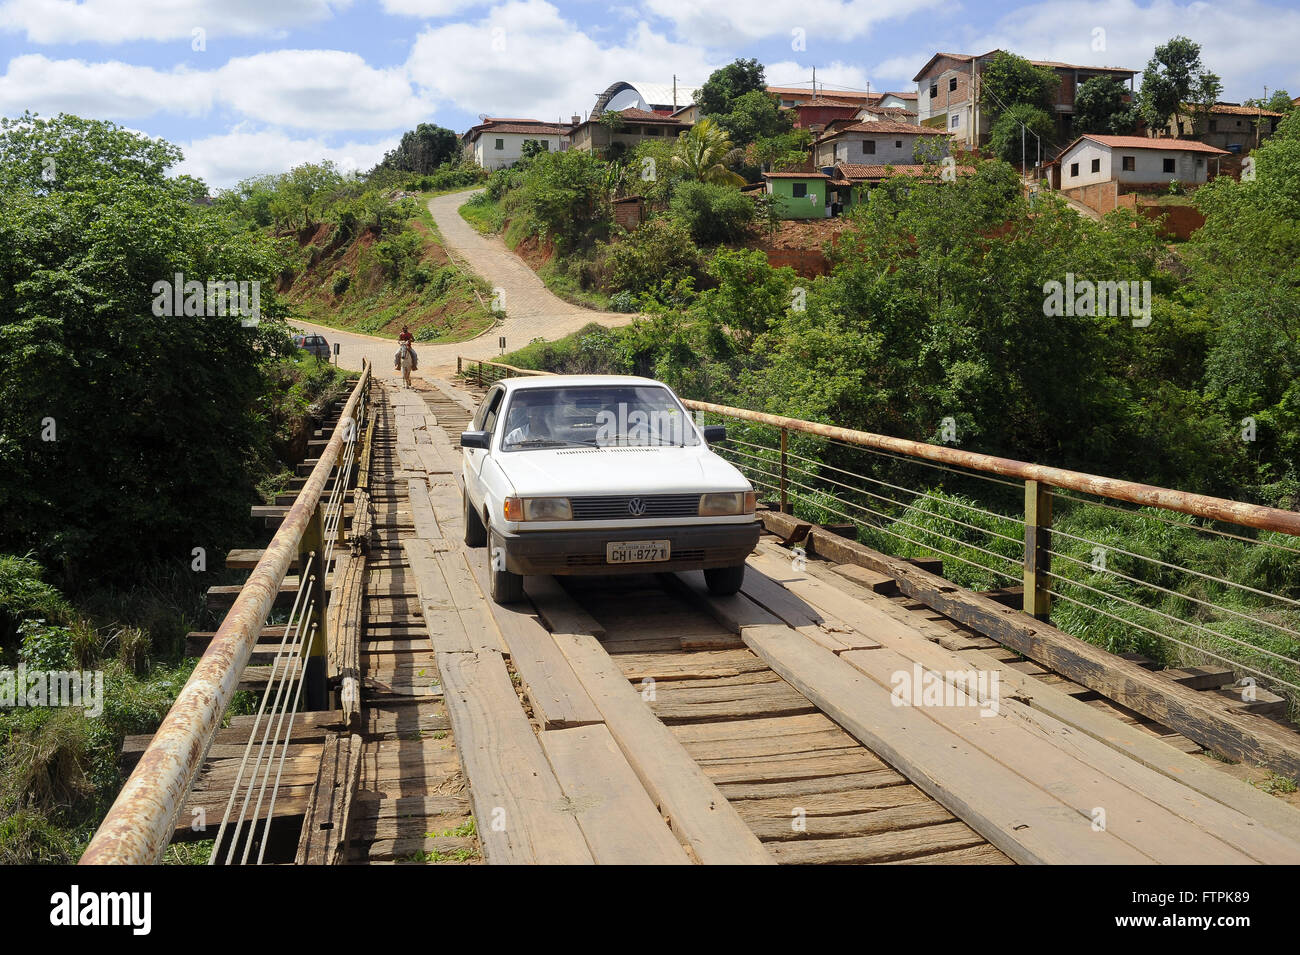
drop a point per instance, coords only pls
(505, 587)
(724, 581)
(475, 532)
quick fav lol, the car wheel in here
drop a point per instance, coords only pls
(505, 587)
(475, 532)
(724, 581)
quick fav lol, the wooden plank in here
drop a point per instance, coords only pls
(621, 824)
(426, 525)
(557, 698)
(324, 838)
(697, 810)
(1243, 737)
(561, 613)
(1020, 818)
(882, 847)
(445, 628)
(518, 804)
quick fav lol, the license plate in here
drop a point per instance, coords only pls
(636, 552)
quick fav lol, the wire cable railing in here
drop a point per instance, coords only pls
(141, 821)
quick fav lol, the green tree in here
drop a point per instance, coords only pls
(124, 433)
(718, 95)
(754, 116)
(713, 213)
(702, 154)
(1172, 76)
(422, 150)
(1100, 107)
(1005, 139)
(1009, 80)
(1278, 102)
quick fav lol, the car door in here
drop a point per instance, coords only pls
(484, 420)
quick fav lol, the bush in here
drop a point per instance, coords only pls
(659, 250)
(623, 302)
(341, 282)
(713, 213)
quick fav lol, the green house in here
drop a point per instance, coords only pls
(800, 195)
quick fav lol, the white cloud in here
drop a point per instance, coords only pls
(308, 89)
(1239, 40)
(223, 160)
(428, 9)
(319, 89)
(524, 59)
(120, 21)
(822, 21)
(109, 90)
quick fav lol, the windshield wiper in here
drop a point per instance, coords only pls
(551, 442)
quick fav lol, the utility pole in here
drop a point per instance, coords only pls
(674, 92)
(814, 84)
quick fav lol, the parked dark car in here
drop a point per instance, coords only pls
(315, 344)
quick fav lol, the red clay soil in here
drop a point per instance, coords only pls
(799, 234)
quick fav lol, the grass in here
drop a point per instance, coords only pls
(484, 214)
(1276, 785)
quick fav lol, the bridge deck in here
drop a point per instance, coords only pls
(638, 719)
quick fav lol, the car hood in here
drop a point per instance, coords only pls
(655, 470)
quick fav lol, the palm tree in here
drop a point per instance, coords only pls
(702, 152)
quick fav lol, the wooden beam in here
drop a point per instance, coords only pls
(1242, 737)
(324, 838)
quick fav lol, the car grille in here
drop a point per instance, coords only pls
(627, 506)
(598, 560)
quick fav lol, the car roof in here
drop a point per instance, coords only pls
(576, 381)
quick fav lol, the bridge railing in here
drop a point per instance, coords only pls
(141, 822)
(1188, 578)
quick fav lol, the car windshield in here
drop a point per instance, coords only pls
(596, 416)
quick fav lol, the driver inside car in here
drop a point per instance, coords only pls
(535, 426)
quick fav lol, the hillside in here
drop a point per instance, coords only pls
(375, 283)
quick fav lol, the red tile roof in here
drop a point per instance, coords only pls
(860, 171)
(1146, 142)
(856, 95)
(539, 129)
(1234, 109)
(887, 127)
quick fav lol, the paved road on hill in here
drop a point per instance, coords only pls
(532, 310)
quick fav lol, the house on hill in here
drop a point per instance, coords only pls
(496, 142)
(1230, 126)
(880, 141)
(616, 133)
(948, 93)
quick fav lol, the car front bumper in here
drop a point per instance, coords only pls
(694, 547)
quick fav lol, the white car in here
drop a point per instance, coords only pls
(601, 474)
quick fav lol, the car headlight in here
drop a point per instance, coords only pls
(538, 509)
(730, 503)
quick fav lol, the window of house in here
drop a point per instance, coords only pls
(1238, 122)
(652, 130)
(1214, 125)
(1096, 165)
(1169, 165)
(800, 190)
(1128, 163)
(501, 144)
(952, 84)
(1200, 161)
(955, 122)
(868, 147)
(898, 144)
(934, 90)
(1074, 169)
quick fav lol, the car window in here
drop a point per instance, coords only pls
(596, 416)
(489, 407)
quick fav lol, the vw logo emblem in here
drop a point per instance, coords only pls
(636, 507)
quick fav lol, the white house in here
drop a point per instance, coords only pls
(878, 143)
(1136, 161)
(497, 143)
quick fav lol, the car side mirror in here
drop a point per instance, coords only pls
(476, 439)
(715, 433)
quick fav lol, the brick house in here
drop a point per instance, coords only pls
(1230, 126)
(948, 89)
(634, 127)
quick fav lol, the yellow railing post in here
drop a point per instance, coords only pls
(785, 495)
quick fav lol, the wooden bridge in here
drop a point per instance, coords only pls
(845, 707)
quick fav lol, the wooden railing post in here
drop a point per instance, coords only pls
(1038, 558)
(785, 495)
(312, 625)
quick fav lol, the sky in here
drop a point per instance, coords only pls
(247, 87)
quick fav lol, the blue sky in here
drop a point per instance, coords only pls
(266, 84)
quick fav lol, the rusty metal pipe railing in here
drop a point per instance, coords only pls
(139, 826)
(1184, 502)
